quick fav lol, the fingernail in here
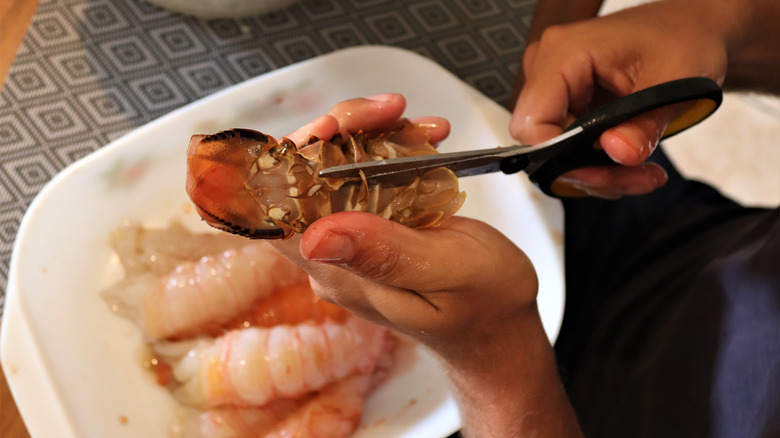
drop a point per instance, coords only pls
(428, 122)
(319, 120)
(632, 147)
(639, 189)
(384, 97)
(660, 177)
(330, 248)
(575, 188)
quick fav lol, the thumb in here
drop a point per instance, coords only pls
(632, 142)
(434, 280)
(379, 249)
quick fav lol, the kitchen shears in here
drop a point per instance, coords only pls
(577, 147)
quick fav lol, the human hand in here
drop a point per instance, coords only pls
(577, 67)
(462, 289)
(442, 286)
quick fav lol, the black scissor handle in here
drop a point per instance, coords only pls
(584, 149)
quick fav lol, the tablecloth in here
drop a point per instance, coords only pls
(89, 71)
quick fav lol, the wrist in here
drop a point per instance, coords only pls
(496, 339)
(751, 39)
(725, 20)
(507, 384)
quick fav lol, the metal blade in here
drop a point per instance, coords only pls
(398, 171)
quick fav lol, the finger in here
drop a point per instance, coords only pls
(532, 123)
(558, 87)
(529, 58)
(545, 108)
(333, 283)
(613, 182)
(372, 113)
(401, 309)
(341, 239)
(366, 296)
(632, 142)
(342, 288)
(438, 127)
(322, 127)
(409, 276)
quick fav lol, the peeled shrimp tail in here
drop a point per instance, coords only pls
(254, 366)
(204, 293)
(334, 413)
(232, 422)
(158, 251)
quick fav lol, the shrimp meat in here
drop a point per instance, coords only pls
(333, 412)
(160, 250)
(238, 337)
(255, 366)
(198, 295)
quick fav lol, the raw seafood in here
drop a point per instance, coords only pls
(241, 341)
(196, 294)
(247, 183)
(255, 366)
(160, 250)
(332, 412)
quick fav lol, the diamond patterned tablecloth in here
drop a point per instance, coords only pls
(89, 71)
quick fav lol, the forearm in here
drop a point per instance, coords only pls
(508, 386)
(551, 12)
(748, 32)
(752, 32)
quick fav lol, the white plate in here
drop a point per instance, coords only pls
(75, 368)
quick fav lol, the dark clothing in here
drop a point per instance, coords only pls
(672, 320)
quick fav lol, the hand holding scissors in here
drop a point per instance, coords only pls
(577, 147)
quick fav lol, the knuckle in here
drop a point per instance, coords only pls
(554, 35)
(381, 263)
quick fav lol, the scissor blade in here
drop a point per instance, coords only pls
(399, 171)
(457, 161)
